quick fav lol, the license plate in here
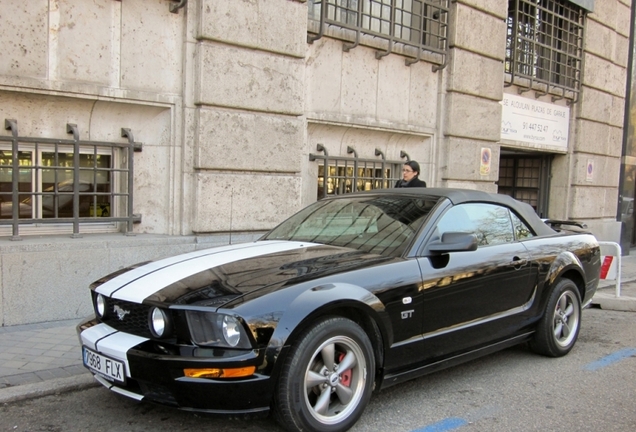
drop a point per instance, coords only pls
(105, 366)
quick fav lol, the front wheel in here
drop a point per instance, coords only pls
(559, 327)
(327, 378)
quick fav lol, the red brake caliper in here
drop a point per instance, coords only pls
(345, 377)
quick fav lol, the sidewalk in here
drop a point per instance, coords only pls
(42, 359)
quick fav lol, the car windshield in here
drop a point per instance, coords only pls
(383, 225)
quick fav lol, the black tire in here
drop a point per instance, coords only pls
(312, 393)
(559, 326)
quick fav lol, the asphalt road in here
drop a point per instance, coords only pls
(591, 389)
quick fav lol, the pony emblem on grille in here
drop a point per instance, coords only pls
(121, 313)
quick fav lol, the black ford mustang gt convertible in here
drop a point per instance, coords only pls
(352, 294)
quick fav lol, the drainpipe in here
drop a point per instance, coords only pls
(625, 240)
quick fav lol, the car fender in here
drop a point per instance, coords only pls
(319, 301)
(565, 262)
(322, 298)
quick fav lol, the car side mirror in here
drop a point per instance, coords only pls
(454, 242)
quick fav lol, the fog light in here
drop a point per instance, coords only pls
(220, 373)
(100, 305)
(159, 322)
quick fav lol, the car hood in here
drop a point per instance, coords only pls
(214, 277)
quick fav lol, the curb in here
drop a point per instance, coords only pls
(46, 388)
(605, 296)
(611, 302)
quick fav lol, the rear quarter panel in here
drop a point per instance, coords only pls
(573, 255)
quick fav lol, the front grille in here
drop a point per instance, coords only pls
(127, 317)
(157, 393)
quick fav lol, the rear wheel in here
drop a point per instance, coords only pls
(559, 327)
(327, 378)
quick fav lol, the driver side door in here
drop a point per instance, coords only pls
(471, 298)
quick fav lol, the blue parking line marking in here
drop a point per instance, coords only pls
(610, 359)
(444, 425)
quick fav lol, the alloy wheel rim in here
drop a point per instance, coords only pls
(335, 380)
(566, 319)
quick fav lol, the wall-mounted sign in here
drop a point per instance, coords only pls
(484, 165)
(531, 121)
(589, 171)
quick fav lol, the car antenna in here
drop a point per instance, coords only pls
(231, 208)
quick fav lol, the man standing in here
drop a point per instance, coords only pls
(410, 173)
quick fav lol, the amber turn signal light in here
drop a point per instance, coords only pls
(220, 373)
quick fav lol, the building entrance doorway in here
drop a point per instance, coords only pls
(526, 178)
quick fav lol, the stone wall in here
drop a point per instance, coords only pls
(354, 99)
(47, 278)
(103, 65)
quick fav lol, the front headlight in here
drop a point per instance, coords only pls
(217, 330)
(231, 330)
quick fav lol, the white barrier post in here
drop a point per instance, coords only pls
(608, 269)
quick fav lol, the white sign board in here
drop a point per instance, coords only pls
(531, 121)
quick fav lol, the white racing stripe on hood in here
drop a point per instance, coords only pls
(151, 279)
(114, 284)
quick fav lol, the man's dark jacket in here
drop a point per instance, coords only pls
(415, 182)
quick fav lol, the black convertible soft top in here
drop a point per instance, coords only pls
(459, 196)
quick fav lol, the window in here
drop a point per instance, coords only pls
(490, 223)
(61, 182)
(421, 24)
(521, 229)
(46, 184)
(341, 179)
(545, 45)
(339, 175)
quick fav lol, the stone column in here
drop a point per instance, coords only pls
(246, 114)
(474, 88)
(598, 124)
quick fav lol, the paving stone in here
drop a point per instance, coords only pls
(13, 364)
(7, 371)
(22, 379)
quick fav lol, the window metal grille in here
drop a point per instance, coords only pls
(73, 181)
(545, 45)
(338, 175)
(418, 24)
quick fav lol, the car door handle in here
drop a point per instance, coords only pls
(518, 262)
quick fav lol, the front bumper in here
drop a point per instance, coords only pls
(153, 376)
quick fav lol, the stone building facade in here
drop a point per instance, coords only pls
(234, 107)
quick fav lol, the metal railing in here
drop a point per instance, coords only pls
(421, 25)
(611, 253)
(339, 175)
(75, 162)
